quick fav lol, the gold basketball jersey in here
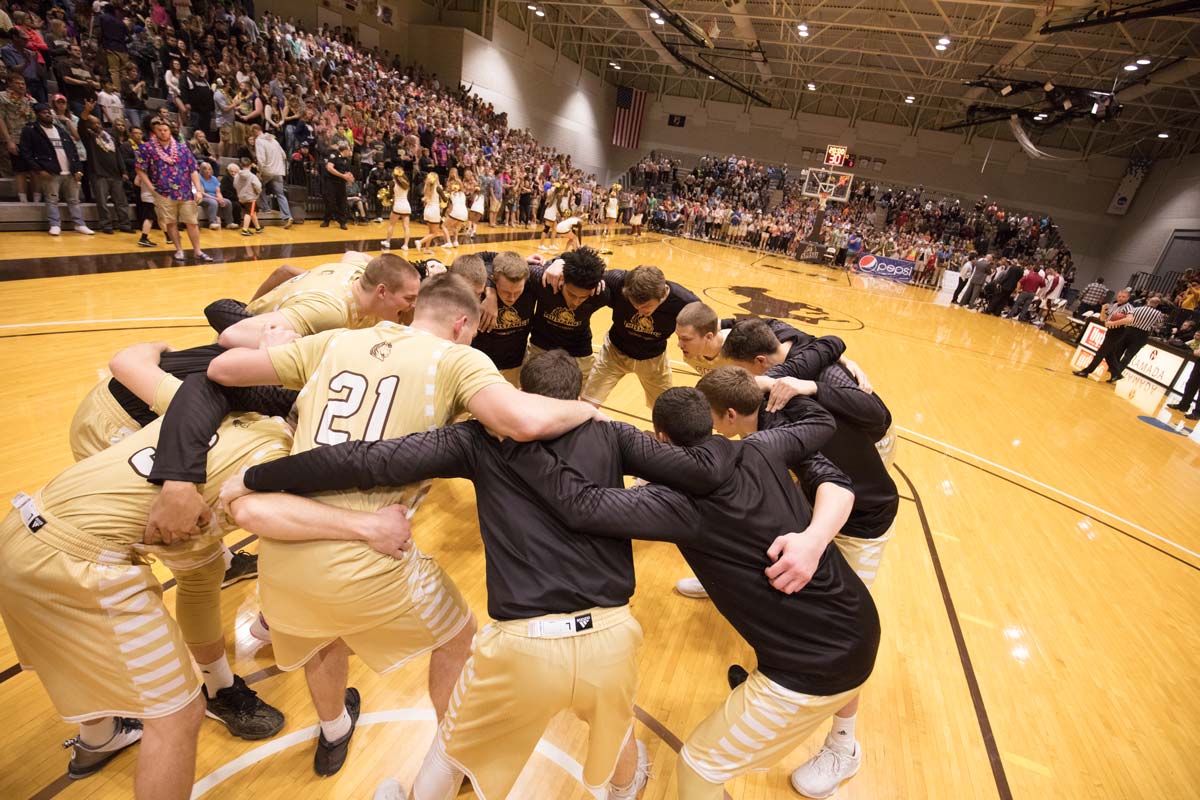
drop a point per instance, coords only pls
(321, 299)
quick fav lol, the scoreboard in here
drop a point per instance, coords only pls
(837, 155)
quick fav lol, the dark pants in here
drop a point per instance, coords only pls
(335, 202)
(997, 302)
(110, 190)
(962, 284)
(1135, 339)
(1023, 301)
(1191, 389)
(1084, 308)
(1110, 351)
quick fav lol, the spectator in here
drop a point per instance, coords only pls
(335, 177)
(169, 171)
(47, 148)
(272, 166)
(16, 109)
(1092, 297)
(106, 172)
(196, 101)
(1030, 284)
(114, 40)
(218, 209)
(248, 187)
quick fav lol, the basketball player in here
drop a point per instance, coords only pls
(738, 409)
(563, 637)
(815, 640)
(339, 295)
(84, 609)
(571, 290)
(700, 336)
(515, 295)
(324, 598)
(645, 305)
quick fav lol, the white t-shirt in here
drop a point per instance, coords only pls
(64, 163)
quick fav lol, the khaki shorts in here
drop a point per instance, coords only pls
(760, 723)
(585, 363)
(429, 611)
(612, 365)
(887, 446)
(522, 673)
(863, 555)
(99, 423)
(92, 625)
(171, 212)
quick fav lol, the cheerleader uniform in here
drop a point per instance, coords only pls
(433, 211)
(458, 205)
(610, 211)
(477, 204)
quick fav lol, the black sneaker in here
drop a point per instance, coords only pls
(259, 229)
(1080, 373)
(1195, 414)
(87, 761)
(325, 224)
(144, 242)
(1177, 407)
(330, 756)
(343, 226)
(240, 710)
(737, 675)
(242, 567)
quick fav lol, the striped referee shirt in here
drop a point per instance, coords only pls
(1147, 318)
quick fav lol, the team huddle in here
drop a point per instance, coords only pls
(317, 420)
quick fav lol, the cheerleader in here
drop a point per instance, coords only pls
(432, 195)
(572, 228)
(639, 214)
(610, 210)
(549, 218)
(401, 210)
(475, 212)
(457, 217)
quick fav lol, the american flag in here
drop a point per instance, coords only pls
(627, 123)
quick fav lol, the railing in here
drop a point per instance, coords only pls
(1149, 282)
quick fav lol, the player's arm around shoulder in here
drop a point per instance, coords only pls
(513, 414)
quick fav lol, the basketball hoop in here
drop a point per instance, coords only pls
(823, 198)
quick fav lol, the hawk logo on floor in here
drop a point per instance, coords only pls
(759, 302)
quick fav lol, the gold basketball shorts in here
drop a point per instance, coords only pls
(585, 363)
(887, 446)
(864, 555)
(513, 376)
(99, 423)
(92, 624)
(612, 365)
(760, 723)
(522, 673)
(420, 611)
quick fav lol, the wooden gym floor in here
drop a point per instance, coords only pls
(1040, 622)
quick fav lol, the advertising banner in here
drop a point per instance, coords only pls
(896, 269)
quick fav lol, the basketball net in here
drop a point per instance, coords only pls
(823, 198)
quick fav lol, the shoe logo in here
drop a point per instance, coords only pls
(583, 622)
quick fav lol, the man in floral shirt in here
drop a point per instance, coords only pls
(169, 170)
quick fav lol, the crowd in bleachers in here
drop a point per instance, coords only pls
(227, 82)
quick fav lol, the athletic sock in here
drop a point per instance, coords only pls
(841, 735)
(217, 675)
(97, 733)
(227, 556)
(337, 728)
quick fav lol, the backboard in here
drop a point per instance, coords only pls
(830, 182)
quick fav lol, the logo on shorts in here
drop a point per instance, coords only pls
(381, 351)
(583, 623)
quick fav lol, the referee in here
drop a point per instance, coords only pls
(1146, 320)
(1113, 346)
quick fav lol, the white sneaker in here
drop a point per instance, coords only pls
(216, 226)
(389, 789)
(641, 777)
(260, 630)
(85, 230)
(693, 588)
(55, 230)
(822, 774)
(386, 244)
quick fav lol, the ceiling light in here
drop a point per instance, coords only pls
(802, 26)
(910, 97)
(660, 21)
(908, 100)
(1131, 67)
(1143, 61)
(616, 66)
(711, 78)
(531, 7)
(812, 87)
(1040, 117)
(944, 40)
(540, 13)
(939, 47)
(803, 34)
(1164, 135)
(653, 15)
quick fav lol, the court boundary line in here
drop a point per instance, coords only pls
(95, 321)
(964, 655)
(1055, 490)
